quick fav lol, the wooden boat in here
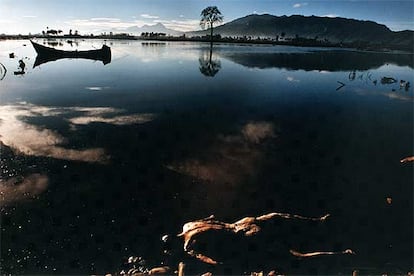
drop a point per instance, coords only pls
(46, 54)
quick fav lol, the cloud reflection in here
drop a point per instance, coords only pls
(29, 139)
(96, 88)
(33, 140)
(16, 189)
(292, 79)
(117, 120)
(231, 158)
(256, 132)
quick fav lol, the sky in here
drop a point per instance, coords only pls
(96, 16)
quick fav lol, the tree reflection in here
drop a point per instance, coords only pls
(209, 66)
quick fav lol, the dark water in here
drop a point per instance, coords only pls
(98, 162)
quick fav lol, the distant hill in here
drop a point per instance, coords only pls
(156, 28)
(333, 29)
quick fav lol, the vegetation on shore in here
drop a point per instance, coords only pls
(297, 41)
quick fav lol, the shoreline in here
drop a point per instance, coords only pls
(301, 42)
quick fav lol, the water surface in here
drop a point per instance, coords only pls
(99, 161)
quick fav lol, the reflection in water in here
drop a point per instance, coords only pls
(99, 115)
(71, 42)
(34, 140)
(46, 54)
(397, 96)
(231, 157)
(96, 88)
(223, 151)
(256, 132)
(322, 60)
(397, 89)
(54, 43)
(292, 79)
(209, 66)
(153, 44)
(16, 189)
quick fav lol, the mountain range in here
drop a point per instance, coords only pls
(322, 28)
(334, 30)
(156, 28)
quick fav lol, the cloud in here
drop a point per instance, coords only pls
(148, 16)
(331, 15)
(7, 21)
(110, 19)
(397, 25)
(299, 5)
(29, 16)
(101, 23)
(181, 25)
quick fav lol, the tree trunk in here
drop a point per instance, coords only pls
(211, 32)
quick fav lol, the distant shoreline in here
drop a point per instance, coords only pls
(299, 42)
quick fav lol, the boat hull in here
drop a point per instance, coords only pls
(47, 54)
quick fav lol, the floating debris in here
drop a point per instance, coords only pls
(3, 71)
(407, 159)
(137, 266)
(159, 270)
(404, 85)
(314, 254)
(165, 238)
(388, 80)
(181, 267)
(11, 55)
(351, 75)
(341, 85)
(248, 226)
(22, 66)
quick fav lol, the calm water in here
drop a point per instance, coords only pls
(98, 162)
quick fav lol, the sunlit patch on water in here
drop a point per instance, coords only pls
(22, 188)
